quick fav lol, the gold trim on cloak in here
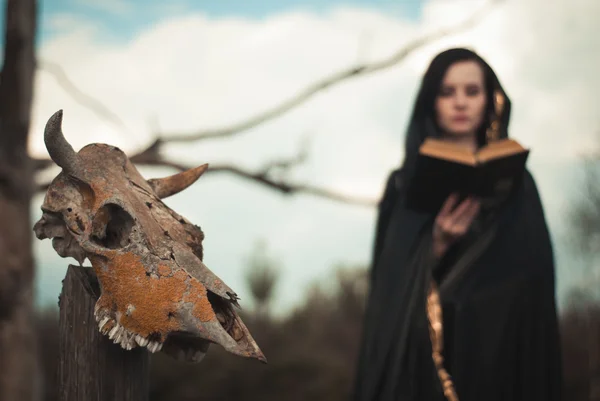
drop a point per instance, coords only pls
(436, 334)
(493, 131)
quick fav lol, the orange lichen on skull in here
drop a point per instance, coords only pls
(164, 270)
(155, 299)
(198, 297)
(102, 192)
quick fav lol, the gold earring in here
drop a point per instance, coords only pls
(493, 131)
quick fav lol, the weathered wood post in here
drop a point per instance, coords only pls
(90, 366)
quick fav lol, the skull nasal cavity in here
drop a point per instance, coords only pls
(112, 227)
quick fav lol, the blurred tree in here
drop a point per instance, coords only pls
(584, 230)
(262, 276)
(19, 378)
(581, 319)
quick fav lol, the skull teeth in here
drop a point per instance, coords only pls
(141, 341)
(127, 340)
(154, 346)
(194, 355)
(122, 336)
(114, 331)
(103, 322)
(198, 356)
(189, 355)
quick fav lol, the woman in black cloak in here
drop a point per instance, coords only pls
(489, 266)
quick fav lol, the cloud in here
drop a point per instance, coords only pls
(192, 72)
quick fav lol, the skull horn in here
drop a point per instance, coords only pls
(165, 187)
(59, 149)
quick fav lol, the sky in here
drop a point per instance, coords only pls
(189, 66)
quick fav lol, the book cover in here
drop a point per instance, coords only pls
(443, 168)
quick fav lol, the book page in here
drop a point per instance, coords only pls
(499, 149)
(444, 150)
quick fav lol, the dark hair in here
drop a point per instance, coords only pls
(423, 122)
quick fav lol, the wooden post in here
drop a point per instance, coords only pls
(90, 366)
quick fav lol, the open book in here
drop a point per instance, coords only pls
(443, 168)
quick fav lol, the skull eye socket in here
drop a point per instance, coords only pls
(112, 227)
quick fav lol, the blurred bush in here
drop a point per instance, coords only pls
(312, 351)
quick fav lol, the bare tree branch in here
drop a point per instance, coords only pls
(264, 175)
(331, 81)
(294, 101)
(152, 154)
(41, 164)
(78, 95)
(292, 188)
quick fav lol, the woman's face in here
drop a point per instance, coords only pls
(460, 104)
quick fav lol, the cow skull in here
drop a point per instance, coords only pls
(155, 290)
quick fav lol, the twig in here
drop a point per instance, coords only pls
(152, 156)
(261, 176)
(42, 164)
(329, 82)
(292, 102)
(78, 95)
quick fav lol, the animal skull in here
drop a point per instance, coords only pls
(155, 290)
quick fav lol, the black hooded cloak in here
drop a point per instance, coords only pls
(496, 287)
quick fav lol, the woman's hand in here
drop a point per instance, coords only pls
(452, 223)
